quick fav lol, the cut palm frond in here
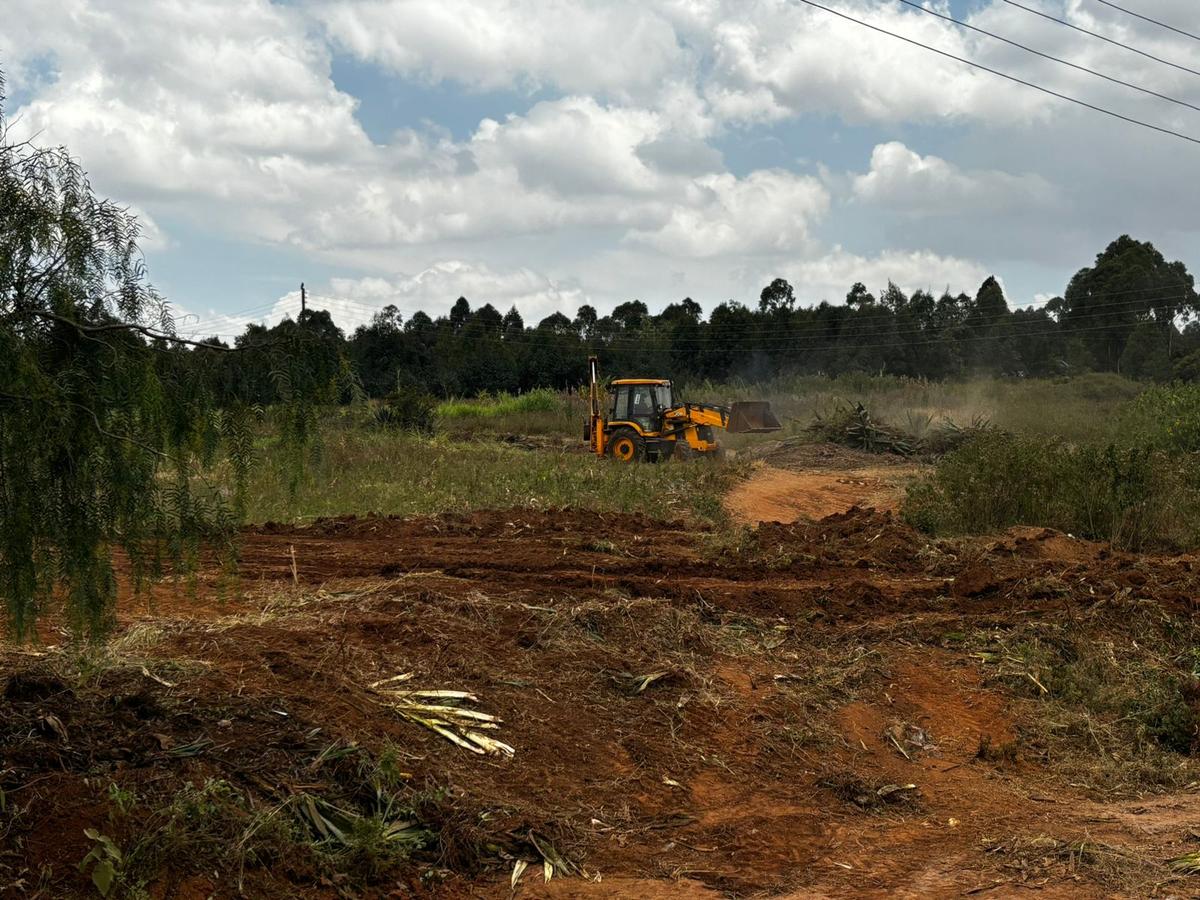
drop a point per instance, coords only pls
(444, 712)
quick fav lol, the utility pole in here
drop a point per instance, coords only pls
(303, 299)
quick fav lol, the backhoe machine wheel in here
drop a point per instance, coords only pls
(627, 445)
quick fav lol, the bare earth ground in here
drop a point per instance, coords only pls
(814, 729)
(789, 483)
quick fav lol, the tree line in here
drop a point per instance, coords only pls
(1129, 312)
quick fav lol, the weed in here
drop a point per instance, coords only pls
(387, 771)
(121, 799)
(104, 860)
(1109, 713)
(207, 828)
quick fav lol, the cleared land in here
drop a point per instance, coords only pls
(835, 708)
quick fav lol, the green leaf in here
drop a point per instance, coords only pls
(103, 876)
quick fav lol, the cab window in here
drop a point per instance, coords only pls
(642, 404)
(662, 394)
(620, 407)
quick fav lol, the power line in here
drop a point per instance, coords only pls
(1130, 12)
(1035, 52)
(1036, 87)
(1158, 59)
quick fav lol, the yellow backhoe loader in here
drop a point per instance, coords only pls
(642, 419)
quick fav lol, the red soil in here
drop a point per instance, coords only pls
(799, 665)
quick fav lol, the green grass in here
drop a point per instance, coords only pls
(537, 412)
(362, 470)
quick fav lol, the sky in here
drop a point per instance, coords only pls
(551, 153)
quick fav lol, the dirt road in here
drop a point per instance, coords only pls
(807, 482)
(803, 714)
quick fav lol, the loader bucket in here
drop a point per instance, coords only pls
(752, 417)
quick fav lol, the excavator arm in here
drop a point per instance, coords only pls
(744, 417)
(690, 414)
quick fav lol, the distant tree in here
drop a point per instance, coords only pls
(489, 318)
(989, 306)
(687, 310)
(630, 315)
(1130, 283)
(388, 319)
(585, 321)
(922, 308)
(777, 297)
(859, 296)
(1145, 356)
(1187, 367)
(513, 324)
(893, 298)
(419, 322)
(460, 312)
(556, 323)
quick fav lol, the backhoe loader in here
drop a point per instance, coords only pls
(641, 419)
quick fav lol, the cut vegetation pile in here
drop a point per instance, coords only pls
(852, 425)
(844, 708)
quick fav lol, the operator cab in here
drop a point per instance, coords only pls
(640, 400)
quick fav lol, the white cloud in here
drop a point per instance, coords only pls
(915, 185)
(224, 114)
(621, 48)
(766, 212)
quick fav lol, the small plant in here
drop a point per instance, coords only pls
(105, 859)
(122, 799)
(408, 408)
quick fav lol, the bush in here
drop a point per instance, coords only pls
(1131, 496)
(1167, 418)
(409, 408)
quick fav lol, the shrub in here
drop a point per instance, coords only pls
(1166, 417)
(1131, 496)
(408, 408)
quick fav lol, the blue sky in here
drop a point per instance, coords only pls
(551, 154)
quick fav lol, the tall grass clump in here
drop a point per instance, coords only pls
(541, 411)
(1133, 496)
